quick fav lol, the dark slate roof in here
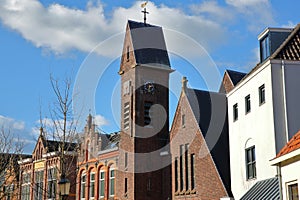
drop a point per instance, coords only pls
(214, 128)
(265, 189)
(54, 145)
(235, 76)
(148, 44)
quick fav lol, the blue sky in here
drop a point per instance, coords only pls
(65, 38)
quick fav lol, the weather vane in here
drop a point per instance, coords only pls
(143, 5)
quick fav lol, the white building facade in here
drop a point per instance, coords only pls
(263, 116)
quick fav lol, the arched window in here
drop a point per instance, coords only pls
(101, 184)
(92, 186)
(82, 185)
(111, 181)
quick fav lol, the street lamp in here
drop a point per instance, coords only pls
(64, 187)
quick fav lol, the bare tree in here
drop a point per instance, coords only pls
(11, 149)
(60, 130)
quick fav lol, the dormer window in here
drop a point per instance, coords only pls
(265, 48)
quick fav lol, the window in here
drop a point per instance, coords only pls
(111, 182)
(38, 187)
(126, 115)
(293, 192)
(186, 167)
(192, 171)
(8, 191)
(250, 163)
(183, 120)
(235, 112)
(126, 160)
(181, 166)
(82, 186)
(128, 53)
(176, 174)
(147, 113)
(262, 97)
(25, 188)
(125, 186)
(92, 186)
(101, 184)
(149, 185)
(247, 104)
(52, 176)
(264, 48)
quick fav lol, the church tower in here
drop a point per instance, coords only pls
(144, 165)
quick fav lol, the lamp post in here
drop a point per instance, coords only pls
(64, 187)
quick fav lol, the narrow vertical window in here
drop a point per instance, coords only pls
(92, 186)
(176, 174)
(247, 104)
(82, 186)
(293, 192)
(101, 184)
(52, 176)
(126, 160)
(149, 185)
(111, 182)
(262, 97)
(183, 120)
(127, 53)
(192, 171)
(186, 167)
(147, 113)
(265, 48)
(181, 167)
(125, 186)
(126, 115)
(235, 112)
(250, 163)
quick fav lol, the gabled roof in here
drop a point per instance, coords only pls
(203, 103)
(235, 76)
(148, 44)
(292, 145)
(53, 146)
(290, 48)
(265, 189)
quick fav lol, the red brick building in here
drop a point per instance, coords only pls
(199, 146)
(40, 174)
(97, 164)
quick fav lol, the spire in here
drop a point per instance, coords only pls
(143, 5)
(184, 83)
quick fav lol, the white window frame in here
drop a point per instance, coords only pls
(99, 186)
(110, 178)
(92, 181)
(81, 183)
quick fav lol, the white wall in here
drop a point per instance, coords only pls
(290, 174)
(258, 126)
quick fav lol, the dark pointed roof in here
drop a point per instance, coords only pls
(235, 76)
(203, 104)
(148, 43)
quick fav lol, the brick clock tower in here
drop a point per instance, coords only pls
(144, 164)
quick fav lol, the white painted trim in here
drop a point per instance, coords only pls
(285, 157)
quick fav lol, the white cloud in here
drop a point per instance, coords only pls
(100, 120)
(10, 123)
(60, 29)
(289, 24)
(257, 13)
(213, 10)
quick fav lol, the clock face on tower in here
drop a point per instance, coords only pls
(149, 87)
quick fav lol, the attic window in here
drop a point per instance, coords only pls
(127, 54)
(264, 48)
